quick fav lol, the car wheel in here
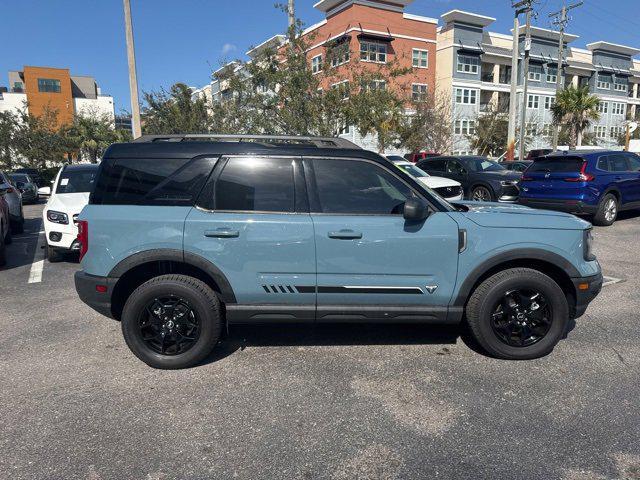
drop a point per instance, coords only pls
(3, 251)
(18, 225)
(172, 321)
(481, 194)
(53, 255)
(8, 239)
(607, 211)
(518, 314)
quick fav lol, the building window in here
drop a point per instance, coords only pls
(343, 89)
(535, 73)
(374, 85)
(464, 127)
(419, 92)
(466, 96)
(603, 107)
(617, 108)
(48, 85)
(373, 51)
(620, 84)
(600, 131)
(552, 74)
(420, 58)
(549, 102)
(616, 132)
(604, 82)
(532, 129)
(547, 129)
(468, 64)
(316, 64)
(339, 53)
(533, 101)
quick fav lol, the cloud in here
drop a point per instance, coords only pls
(227, 48)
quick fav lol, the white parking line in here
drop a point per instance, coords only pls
(35, 274)
(610, 280)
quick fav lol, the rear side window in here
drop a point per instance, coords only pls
(249, 184)
(557, 164)
(435, 165)
(618, 163)
(152, 181)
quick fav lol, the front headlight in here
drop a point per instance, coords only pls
(57, 217)
(588, 245)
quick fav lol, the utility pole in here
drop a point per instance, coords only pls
(292, 14)
(525, 76)
(561, 21)
(520, 7)
(133, 80)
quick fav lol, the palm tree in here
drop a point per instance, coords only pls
(576, 108)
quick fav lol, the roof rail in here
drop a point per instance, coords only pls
(320, 142)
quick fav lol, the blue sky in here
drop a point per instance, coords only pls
(183, 40)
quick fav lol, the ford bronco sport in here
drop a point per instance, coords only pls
(186, 235)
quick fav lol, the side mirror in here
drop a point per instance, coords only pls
(44, 191)
(415, 209)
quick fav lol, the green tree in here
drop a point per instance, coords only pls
(575, 109)
(490, 135)
(8, 129)
(37, 139)
(175, 111)
(428, 126)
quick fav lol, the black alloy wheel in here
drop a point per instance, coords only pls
(521, 317)
(169, 325)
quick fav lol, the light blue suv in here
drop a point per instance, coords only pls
(185, 236)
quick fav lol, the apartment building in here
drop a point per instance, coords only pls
(474, 69)
(42, 88)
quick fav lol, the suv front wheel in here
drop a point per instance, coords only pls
(518, 314)
(172, 321)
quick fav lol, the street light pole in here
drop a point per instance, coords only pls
(511, 142)
(133, 81)
(523, 113)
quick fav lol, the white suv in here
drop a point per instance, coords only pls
(448, 189)
(69, 195)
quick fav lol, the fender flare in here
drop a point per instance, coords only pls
(187, 258)
(517, 254)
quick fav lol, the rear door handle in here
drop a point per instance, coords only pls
(222, 233)
(345, 235)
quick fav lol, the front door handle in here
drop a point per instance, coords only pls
(222, 233)
(345, 235)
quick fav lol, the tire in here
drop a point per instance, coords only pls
(202, 301)
(8, 239)
(53, 255)
(489, 297)
(607, 211)
(3, 251)
(18, 226)
(483, 194)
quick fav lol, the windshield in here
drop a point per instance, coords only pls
(20, 178)
(482, 164)
(412, 170)
(76, 181)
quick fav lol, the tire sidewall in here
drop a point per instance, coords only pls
(478, 187)
(208, 319)
(560, 317)
(600, 216)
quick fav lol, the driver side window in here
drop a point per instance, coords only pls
(453, 166)
(358, 187)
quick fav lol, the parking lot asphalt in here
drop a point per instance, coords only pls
(349, 402)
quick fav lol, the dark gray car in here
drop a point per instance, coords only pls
(483, 180)
(14, 199)
(27, 187)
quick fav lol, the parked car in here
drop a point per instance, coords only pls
(537, 153)
(416, 157)
(13, 198)
(448, 189)
(182, 239)
(483, 180)
(597, 183)
(517, 165)
(33, 173)
(70, 193)
(27, 187)
(5, 229)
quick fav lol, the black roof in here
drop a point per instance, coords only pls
(190, 149)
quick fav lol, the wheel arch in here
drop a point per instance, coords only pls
(549, 263)
(136, 269)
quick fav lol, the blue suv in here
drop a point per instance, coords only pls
(185, 236)
(595, 183)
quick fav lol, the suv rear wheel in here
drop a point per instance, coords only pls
(518, 314)
(172, 321)
(607, 211)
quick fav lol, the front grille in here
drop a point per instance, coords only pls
(510, 191)
(448, 192)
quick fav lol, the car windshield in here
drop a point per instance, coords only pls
(19, 177)
(481, 164)
(76, 181)
(412, 170)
